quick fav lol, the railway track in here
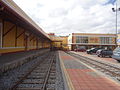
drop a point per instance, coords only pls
(41, 77)
(109, 69)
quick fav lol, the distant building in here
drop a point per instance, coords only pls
(88, 40)
(118, 39)
(60, 42)
(64, 42)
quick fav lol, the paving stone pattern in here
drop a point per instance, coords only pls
(83, 78)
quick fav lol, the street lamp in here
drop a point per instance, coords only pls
(116, 9)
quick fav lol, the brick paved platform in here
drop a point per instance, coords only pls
(80, 77)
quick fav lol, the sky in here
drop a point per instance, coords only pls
(64, 17)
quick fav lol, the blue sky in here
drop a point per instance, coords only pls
(71, 16)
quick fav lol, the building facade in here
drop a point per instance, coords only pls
(60, 42)
(87, 40)
(18, 32)
(64, 42)
(118, 39)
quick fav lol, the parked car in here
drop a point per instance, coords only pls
(80, 50)
(116, 54)
(104, 53)
(92, 50)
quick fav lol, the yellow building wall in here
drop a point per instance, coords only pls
(0, 33)
(47, 44)
(57, 44)
(65, 42)
(39, 44)
(14, 39)
(9, 38)
(118, 38)
(11, 50)
(43, 45)
(30, 42)
(113, 40)
(20, 39)
(34, 43)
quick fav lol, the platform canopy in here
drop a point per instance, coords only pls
(10, 11)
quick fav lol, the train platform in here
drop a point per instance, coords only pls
(79, 76)
(12, 60)
(93, 56)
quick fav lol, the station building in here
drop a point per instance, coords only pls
(64, 42)
(56, 41)
(18, 32)
(88, 40)
(118, 39)
(60, 42)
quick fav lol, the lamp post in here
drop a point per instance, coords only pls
(116, 9)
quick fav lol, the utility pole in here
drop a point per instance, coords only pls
(116, 9)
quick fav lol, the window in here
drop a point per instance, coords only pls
(110, 40)
(81, 39)
(0, 35)
(106, 40)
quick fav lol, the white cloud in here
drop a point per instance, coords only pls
(69, 16)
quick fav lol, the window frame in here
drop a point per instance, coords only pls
(81, 39)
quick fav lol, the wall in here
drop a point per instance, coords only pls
(11, 39)
(39, 44)
(57, 44)
(0, 33)
(15, 38)
(65, 42)
(118, 39)
(69, 41)
(93, 40)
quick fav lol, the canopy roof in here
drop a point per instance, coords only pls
(10, 11)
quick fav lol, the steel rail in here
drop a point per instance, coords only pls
(47, 75)
(97, 61)
(27, 74)
(97, 65)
